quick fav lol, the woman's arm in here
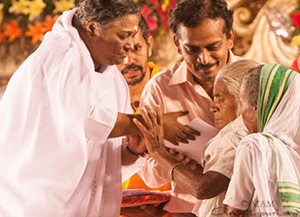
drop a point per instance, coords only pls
(202, 186)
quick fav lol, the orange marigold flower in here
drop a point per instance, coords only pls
(2, 36)
(12, 30)
(36, 32)
(48, 24)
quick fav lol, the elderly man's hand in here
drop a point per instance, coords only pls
(176, 132)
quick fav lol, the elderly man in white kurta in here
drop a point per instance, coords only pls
(56, 115)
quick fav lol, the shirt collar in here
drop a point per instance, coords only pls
(232, 58)
(181, 75)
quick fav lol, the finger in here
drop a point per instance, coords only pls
(187, 137)
(182, 140)
(172, 151)
(142, 128)
(180, 156)
(181, 113)
(174, 142)
(160, 124)
(177, 157)
(187, 159)
(189, 131)
(151, 115)
(193, 166)
(160, 116)
(146, 117)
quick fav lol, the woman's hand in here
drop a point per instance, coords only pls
(176, 132)
(184, 159)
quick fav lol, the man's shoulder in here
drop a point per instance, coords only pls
(164, 76)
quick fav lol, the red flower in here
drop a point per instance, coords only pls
(164, 16)
(146, 11)
(296, 19)
(154, 2)
(172, 4)
(151, 23)
(2, 36)
(295, 65)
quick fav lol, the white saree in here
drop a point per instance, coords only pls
(56, 115)
(261, 167)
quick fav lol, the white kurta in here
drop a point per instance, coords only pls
(56, 115)
(219, 157)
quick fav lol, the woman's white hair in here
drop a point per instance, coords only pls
(232, 75)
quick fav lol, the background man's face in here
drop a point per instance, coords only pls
(205, 48)
(135, 65)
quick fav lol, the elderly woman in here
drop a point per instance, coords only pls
(266, 169)
(210, 181)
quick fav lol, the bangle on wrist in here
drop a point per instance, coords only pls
(134, 153)
(171, 169)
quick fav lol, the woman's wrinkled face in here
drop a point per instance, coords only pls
(224, 106)
(248, 112)
(111, 45)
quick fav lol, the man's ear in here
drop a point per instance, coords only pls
(150, 45)
(230, 39)
(176, 41)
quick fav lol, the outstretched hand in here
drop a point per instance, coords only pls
(192, 164)
(176, 132)
(153, 129)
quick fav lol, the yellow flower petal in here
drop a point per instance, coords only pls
(35, 8)
(19, 7)
(63, 5)
(296, 40)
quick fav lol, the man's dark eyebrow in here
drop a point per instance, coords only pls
(215, 43)
(212, 44)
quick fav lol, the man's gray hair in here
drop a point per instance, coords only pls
(103, 12)
(232, 75)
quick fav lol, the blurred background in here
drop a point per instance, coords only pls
(265, 30)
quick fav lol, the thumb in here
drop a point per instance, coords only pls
(181, 113)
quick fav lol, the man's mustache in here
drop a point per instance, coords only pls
(131, 66)
(202, 66)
